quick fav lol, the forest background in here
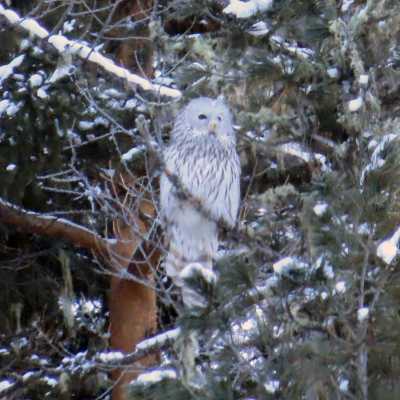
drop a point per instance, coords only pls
(307, 301)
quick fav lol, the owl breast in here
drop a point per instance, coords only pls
(208, 170)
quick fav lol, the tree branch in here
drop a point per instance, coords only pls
(62, 44)
(144, 348)
(32, 222)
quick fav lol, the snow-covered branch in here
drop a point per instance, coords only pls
(63, 44)
(246, 9)
(143, 349)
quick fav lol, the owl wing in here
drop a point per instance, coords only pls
(231, 190)
(191, 236)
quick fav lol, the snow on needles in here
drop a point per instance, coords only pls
(288, 264)
(7, 69)
(387, 250)
(6, 384)
(159, 340)
(193, 269)
(362, 314)
(62, 44)
(242, 9)
(151, 377)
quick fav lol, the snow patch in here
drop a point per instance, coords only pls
(111, 356)
(4, 352)
(295, 149)
(68, 26)
(132, 153)
(87, 125)
(272, 386)
(387, 250)
(50, 381)
(320, 209)
(362, 313)
(159, 339)
(148, 378)
(7, 69)
(333, 72)
(29, 24)
(34, 28)
(6, 384)
(344, 385)
(346, 5)
(42, 94)
(356, 104)
(287, 264)
(194, 269)
(11, 167)
(363, 79)
(4, 104)
(12, 16)
(35, 80)
(61, 72)
(27, 375)
(259, 29)
(377, 161)
(13, 108)
(340, 287)
(247, 9)
(131, 104)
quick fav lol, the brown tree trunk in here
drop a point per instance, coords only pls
(132, 304)
(133, 309)
(132, 314)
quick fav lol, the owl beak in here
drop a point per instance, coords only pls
(212, 127)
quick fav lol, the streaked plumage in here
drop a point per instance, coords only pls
(202, 154)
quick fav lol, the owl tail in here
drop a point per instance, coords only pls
(180, 270)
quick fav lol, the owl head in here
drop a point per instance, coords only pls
(207, 117)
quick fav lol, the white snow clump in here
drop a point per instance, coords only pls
(356, 104)
(362, 313)
(7, 69)
(111, 356)
(363, 79)
(387, 250)
(10, 167)
(193, 269)
(148, 378)
(247, 9)
(35, 80)
(333, 72)
(172, 334)
(320, 209)
(272, 386)
(287, 264)
(4, 385)
(340, 287)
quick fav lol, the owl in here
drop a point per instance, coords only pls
(202, 156)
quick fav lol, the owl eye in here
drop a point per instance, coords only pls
(219, 118)
(202, 116)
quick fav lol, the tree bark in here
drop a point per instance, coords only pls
(133, 307)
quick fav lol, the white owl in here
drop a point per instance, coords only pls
(202, 155)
